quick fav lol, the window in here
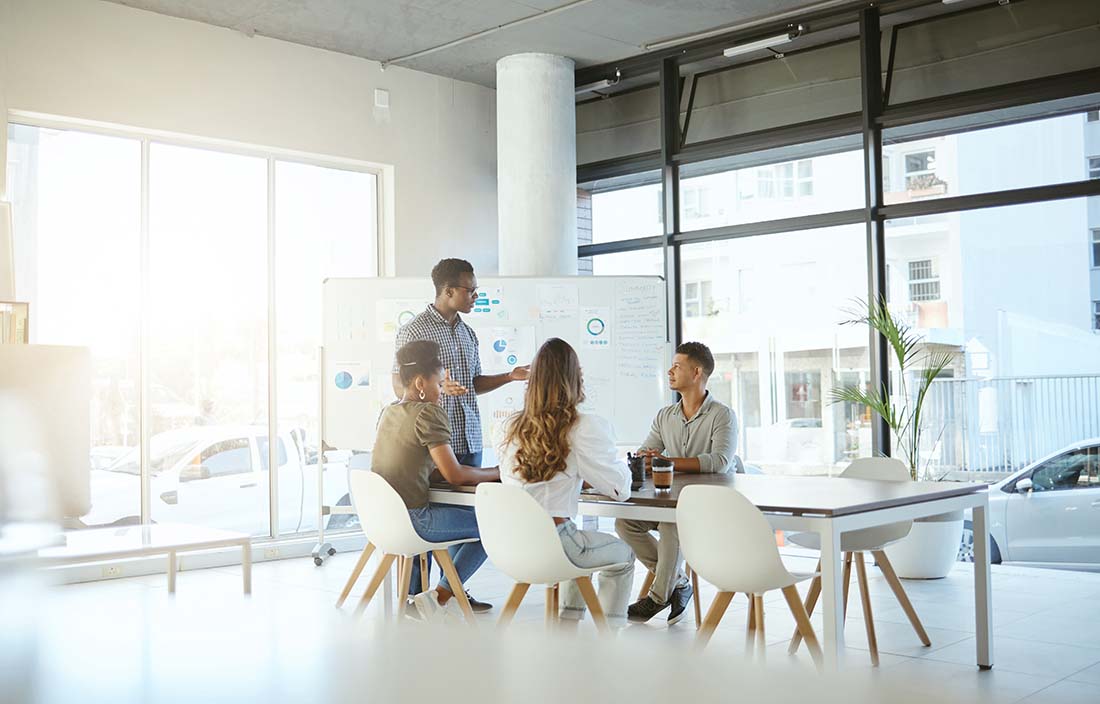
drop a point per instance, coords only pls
(1022, 351)
(1073, 470)
(643, 262)
(778, 344)
(920, 171)
(695, 202)
(924, 282)
(770, 185)
(227, 457)
(78, 209)
(623, 208)
(1094, 167)
(697, 299)
(786, 180)
(1096, 248)
(76, 204)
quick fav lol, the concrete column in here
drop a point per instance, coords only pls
(536, 166)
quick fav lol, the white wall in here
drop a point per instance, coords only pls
(105, 62)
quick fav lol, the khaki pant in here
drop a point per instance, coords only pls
(661, 557)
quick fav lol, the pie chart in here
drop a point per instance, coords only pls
(343, 380)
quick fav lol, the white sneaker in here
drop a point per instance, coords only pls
(427, 605)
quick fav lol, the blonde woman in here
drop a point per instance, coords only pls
(550, 448)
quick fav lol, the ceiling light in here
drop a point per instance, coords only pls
(598, 85)
(763, 43)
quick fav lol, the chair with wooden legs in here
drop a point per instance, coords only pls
(521, 540)
(388, 528)
(706, 516)
(873, 540)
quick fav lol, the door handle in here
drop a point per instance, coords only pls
(245, 486)
(1095, 504)
(170, 497)
(1071, 508)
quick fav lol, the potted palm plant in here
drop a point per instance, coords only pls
(931, 548)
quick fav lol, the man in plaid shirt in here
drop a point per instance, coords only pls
(456, 292)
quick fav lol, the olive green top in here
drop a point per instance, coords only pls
(406, 432)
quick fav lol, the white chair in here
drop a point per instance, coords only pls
(708, 517)
(854, 543)
(520, 538)
(387, 525)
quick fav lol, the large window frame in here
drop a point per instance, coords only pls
(272, 155)
(877, 113)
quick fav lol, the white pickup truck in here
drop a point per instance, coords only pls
(216, 476)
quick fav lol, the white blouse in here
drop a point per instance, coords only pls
(592, 458)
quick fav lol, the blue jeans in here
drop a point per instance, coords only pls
(589, 548)
(438, 523)
(469, 459)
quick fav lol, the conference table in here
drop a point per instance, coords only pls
(828, 506)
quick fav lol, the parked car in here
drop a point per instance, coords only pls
(1047, 513)
(214, 476)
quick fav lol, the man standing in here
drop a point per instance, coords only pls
(455, 292)
(699, 434)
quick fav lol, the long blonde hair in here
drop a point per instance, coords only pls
(541, 430)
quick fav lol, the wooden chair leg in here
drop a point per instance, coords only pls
(376, 581)
(758, 605)
(588, 592)
(647, 584)
(812, 595)
(868, 617)
(557, 601)
(695, 597)
(550, 615)
(900, 595)
(805, 628)
(714, 615)
(444, 559)
(368, 549)
(423, 571)
(752, 612)
(512, 604)
(405, 576)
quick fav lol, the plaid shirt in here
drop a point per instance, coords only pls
(458, 351)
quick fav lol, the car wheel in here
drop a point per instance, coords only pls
(966, 548)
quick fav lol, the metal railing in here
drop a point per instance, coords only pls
(1001, 424)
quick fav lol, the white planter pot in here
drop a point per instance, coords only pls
(931, 548)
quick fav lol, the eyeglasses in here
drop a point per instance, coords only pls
(473, 291)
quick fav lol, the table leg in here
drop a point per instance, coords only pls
(983, 603)
(172, 572)
(832, 642)
(246, 566)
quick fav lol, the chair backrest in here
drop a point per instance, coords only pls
(383, 515)
(886, 469)
(727, 540)
(889, 469)
(519, 536)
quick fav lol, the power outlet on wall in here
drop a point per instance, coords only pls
(112, 571)
(271, 553)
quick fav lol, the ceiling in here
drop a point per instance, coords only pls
(588, 31)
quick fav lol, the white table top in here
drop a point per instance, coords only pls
(139, 539)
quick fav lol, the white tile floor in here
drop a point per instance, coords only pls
(1047, 629)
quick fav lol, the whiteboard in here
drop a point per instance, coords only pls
(617, 325)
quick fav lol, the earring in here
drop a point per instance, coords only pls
(422, 394)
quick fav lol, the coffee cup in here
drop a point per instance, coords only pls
(662, 473)
(637, 470)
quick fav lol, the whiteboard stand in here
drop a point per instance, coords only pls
(323, 550)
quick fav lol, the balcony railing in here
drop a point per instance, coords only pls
(1002, 424)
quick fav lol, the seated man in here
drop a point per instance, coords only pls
(699, 434)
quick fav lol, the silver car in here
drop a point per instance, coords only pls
(1047, 513)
